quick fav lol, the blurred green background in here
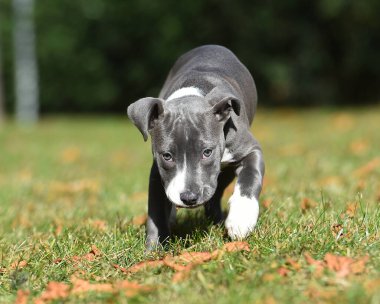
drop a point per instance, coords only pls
(99, 56)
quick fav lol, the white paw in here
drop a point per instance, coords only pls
(242, 216)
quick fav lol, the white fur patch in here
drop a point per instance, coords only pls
(227, 156)
(242, 216)
(176, 187)
(188, 91)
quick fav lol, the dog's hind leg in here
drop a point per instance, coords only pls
(213, 207)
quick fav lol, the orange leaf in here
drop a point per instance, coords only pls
(141, 266)
(351, 209)
(318, 265)
(307, 204)
(53, 291)
(82, 286)
(182, 275)
(293, 263)
(338, 264)
(22, 296)
(267, 203)
(130, 288)
(282, 271)
(18, 264)
(236, 246)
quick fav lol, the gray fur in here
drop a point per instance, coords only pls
(188, 126)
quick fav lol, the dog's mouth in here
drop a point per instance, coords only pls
(188, 206)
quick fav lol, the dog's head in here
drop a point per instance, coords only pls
(188, 141)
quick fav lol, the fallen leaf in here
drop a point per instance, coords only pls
(141, 266)
(338, 264)
(296, 266)
(182, 275)
(358, 266)
(22, 296)
(318, 265)
(282, 271)
(53, 291)
(337, 231)
(130, 289)
(307, 204)
(81, 286)
(351, 209)
(18, 264)
(368, 167)
(236, 246)
(139, 220)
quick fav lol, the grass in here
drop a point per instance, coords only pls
(70, 183)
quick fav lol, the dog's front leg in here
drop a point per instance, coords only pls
(244, 205)
(159, 210)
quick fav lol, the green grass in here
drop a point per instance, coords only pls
(58, 178)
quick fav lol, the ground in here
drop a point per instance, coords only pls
(73, 194)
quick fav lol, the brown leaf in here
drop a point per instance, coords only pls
(337, 230)
(139, 220)
(183, 274)
(351, 209)
(338, 264)
(358, 266)
(368, 167)
(141, 266)
(22, 296)
(236, 246)
(282, 271)
(82, 286)
(307, 204)
(18, 264)
(130, 289)
(296, 266)
(53, 291)
(318, 265)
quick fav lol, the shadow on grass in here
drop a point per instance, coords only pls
(193, 226)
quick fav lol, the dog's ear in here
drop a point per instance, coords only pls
(223, 103)
(144, 114)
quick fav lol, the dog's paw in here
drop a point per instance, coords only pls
(242, 216)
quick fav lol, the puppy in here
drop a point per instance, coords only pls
(201, 141)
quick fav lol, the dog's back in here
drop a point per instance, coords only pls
(198, 67)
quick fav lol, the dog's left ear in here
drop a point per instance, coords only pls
(144, 114)
(223, 103)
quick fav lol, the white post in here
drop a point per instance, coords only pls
(2, 98)
(25, 62)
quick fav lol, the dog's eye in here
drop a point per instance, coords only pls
(167, 156)
(206, 153)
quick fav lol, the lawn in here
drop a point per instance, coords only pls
(73, 194)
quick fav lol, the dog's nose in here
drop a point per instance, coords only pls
(189, 198)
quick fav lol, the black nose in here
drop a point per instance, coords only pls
(188, 198)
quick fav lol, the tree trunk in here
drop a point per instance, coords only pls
(2, 95)
(26, 75)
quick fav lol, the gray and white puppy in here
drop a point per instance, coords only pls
(201, 140)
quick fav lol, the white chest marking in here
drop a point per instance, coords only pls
(242, 216)
(188, 91)
(227, 157)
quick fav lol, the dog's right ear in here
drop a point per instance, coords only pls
(144, 113)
